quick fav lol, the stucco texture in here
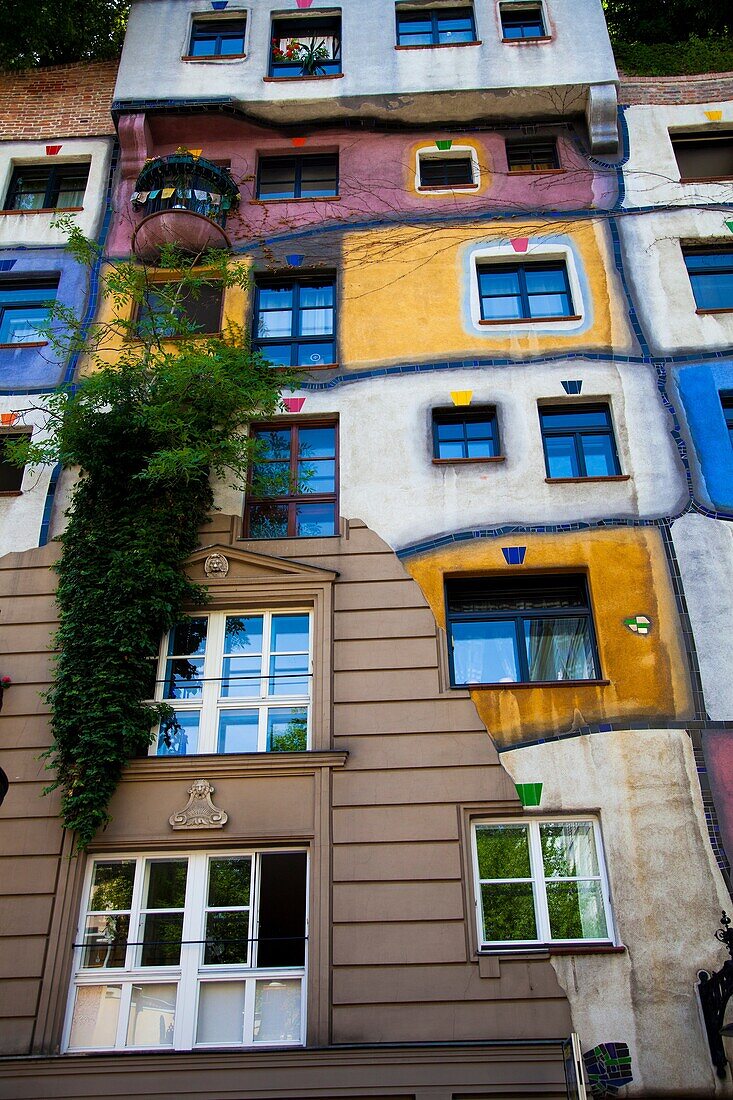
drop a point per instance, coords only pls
(643, 785)
(627, 575)
(387, 315)
(700, 387)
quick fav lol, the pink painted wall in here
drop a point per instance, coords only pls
(377, 176)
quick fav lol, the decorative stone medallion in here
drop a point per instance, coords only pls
(216, 565)
(199, 812)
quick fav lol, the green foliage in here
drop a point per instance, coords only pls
(671, 21)
(46, 32)
(146, 434)
(696, 55)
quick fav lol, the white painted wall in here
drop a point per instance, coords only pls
(704, 549)
(21, 516)
(652, 175)
(389, 481)
(35, 229)
(655, 269)
(159, 31)
(667, 894)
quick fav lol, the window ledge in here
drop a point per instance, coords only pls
(706, 179)
(527, 41)
(505, 954)
(584, 480)
(534, 320)
(315, 198)
(468, 461)
(11, 492)
(515, 685)
(441, 45)
(231, 765)
(313, 76)
(30, 344)
(43, 210)
(216, 60)
(307, 369)
(537, 172)
(712, 312)
(447, 187)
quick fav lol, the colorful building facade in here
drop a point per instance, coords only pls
(476, 836)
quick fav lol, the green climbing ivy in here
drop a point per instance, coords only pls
(148, 427)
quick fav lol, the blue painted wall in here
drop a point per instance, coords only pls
(37, 369)
(700, 388)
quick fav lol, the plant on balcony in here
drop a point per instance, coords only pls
(146, 435)
(310, 55)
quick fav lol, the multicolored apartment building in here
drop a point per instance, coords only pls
(463, 832)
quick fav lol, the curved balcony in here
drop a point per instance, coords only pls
(184, 201)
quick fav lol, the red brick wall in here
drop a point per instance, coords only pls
(57, 102)
(709, 88)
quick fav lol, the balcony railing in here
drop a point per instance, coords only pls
(184, 181)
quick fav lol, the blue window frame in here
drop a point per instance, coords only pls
(522, 21)
(25, 308)
(528, 629)
(460, 435)
(578, 441)
(726, 400)
(306, 47)
(524, 292)
(305, 177)
(293, 482)
(711, 275)
(435, 26)
(295, 321)
(217, 38)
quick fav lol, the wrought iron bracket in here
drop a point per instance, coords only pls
(714, 991)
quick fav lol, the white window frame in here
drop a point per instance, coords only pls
(537, 879)
(430, 152)
(211, 703)
(485, 254)
(191, 973)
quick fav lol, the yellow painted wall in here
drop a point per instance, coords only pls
(628, 575)
(405, 294)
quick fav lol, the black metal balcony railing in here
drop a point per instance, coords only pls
(183, 181)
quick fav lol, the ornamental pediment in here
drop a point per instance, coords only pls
(220, 565)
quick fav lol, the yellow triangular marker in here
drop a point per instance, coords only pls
(461, 397)
(714, 116)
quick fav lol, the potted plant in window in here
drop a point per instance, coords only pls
(309, 55)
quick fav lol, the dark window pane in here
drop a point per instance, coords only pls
(446, 171)
(566, 590)
(287, 729)
(268, 521)
(227, 938)
(532, 156)
(578, 417)
(162, 935)
(576, 911)
(704, 156)
(168, 313)
(282, 909)
(112, 884)
(229, 881)
(11, 476)
(166, 884)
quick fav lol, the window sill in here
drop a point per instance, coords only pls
(538, 171)
(712, 312)
(540, 38)
(316, 198)
(447, 187)
(11, 492)
(231, 765)
(505, 954)
(314, 76)
(306, 369)
(706, 179)
(33, 344)
(227, 57)
(533, 320)
(441, 45)
(585, 480)
(43, 210)
(468, 461)
(515, 685)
